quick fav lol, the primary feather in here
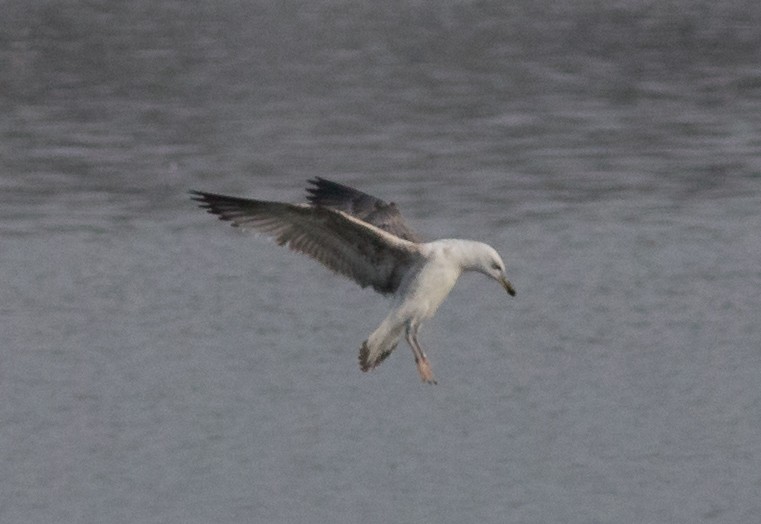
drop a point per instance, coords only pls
(347, 245)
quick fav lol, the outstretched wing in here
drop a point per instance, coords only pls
(348, 246)
(362, 206)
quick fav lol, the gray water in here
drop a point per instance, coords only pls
(159, 366)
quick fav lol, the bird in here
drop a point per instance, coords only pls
(366, 239)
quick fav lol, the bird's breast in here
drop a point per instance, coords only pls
(428, 289)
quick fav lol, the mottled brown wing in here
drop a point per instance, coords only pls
(344, 244)
(360, 205)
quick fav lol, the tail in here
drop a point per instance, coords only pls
(369, 359)
(379, 346)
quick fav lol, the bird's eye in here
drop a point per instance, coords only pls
(494, 265)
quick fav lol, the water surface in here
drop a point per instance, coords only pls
(159, 366)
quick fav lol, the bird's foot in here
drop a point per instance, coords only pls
(424, 368)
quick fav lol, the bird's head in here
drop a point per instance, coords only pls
(496, 270)
(488, 262)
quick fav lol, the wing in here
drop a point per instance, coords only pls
(360, 205)
(344, 244)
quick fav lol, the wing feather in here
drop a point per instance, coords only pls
(341, 242)
(360, 205)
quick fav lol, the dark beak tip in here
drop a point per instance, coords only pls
(508, 287)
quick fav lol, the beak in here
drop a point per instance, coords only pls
(507, 285)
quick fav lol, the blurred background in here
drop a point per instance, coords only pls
(157, 365)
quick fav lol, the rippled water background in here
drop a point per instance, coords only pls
(159, 366)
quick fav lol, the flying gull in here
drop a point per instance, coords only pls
(366, 239)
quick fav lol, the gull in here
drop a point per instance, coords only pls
(366, 239)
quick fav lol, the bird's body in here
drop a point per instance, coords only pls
(367, 240)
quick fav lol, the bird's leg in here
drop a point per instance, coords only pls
(423, 367)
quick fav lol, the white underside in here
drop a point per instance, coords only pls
(417, 300)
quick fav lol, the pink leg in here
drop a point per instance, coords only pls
(423, 366)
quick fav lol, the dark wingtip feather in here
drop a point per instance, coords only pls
(198, 196)
(324, 192)
(368, 208)
(207, 201)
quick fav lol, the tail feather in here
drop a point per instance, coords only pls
(369, 359)
(380, 344)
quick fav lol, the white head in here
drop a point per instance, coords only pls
(485, 259)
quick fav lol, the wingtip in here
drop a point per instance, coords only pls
(206, 201)
(197, 196)
(324, 192)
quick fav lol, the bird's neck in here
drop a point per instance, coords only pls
(466, 253)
